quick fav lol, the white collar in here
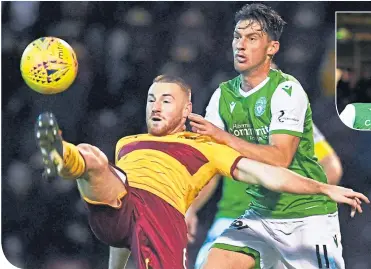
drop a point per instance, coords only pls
(255, 89)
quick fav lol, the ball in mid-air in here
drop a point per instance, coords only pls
(49, 65)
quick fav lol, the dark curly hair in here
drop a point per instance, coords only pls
(269, 20)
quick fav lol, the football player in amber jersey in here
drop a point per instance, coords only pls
(139, 203)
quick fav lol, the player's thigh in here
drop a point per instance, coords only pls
(248, 236)
(160, 234)
(110, 207)
(148, 254)
(102, 183)
(311, 242)
(224, 259)
(217, 228)
(110, 225)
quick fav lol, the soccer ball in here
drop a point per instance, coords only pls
(49, 65)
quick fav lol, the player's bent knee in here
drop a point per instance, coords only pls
(220, 258)
(94, 158)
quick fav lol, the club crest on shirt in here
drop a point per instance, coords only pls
(260, 106)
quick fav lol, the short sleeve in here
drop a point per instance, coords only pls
(317, 135)
(212, 110)
(348, 115)
(117, 149)
(223, 158)
(120, 145)
(289, 105)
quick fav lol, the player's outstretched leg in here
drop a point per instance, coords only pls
(97, 180)
(100, 184)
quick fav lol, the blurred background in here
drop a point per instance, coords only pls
(353, 32)
(121, 47)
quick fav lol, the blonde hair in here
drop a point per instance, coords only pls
(177, 80)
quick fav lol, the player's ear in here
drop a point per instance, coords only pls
(187, 110)
(273, 48)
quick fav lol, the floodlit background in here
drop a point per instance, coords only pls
(121, 47)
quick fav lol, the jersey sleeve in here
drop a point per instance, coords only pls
(288, 107)
(223, 158)
(348, 115)
(212, 110)
(120, 144)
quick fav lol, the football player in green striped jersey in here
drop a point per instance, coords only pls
(267, 117)
(234, 199)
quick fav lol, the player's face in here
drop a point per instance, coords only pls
(251, 46)
(168, 107)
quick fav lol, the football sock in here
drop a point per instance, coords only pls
(73, 162)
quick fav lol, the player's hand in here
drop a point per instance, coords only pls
(191, 220)
(202, 126)
(347, 196)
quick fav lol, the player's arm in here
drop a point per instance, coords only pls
(203, 197)
(118, 257)
(288, 110)
(348, 115)
(254, 172)
(330, 161)
(333, 168)
(280, 152)
(327, 157)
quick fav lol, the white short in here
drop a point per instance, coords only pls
(303, 243)
(217, 228)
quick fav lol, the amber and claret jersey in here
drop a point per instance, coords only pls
(174, 167)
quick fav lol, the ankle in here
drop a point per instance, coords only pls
(73, 162)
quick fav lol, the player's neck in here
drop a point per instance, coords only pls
(180, 128)
(253, 78)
